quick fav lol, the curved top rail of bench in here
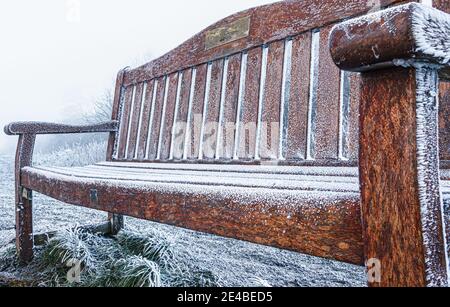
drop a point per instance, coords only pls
(250, 28)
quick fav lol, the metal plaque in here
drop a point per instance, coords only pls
(235, 30)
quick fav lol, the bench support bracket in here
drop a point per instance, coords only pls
(116, 223)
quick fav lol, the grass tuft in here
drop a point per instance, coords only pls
(155, 247)
(127, 260)
(67, 245)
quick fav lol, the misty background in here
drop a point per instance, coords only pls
(59, 58)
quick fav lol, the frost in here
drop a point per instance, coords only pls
(428, 176)
(431, 30)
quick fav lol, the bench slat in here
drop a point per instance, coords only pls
(269, 127)
(272, 169)
(327, 107)
(146, 113)
(249, 107)
(230, 107)
(156, 118)
(182, 114)
(276, 182)
(195, 122)
(135, 121)
(210, 127)
(351, 178)
(169, 116)
(297, 119)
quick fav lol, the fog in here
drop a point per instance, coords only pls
(57, 56)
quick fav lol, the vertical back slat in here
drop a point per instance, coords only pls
(195, 122)
(124, 122)
(270, 120)
(209, 137)
(230, 106)
(156, 121)
(353, 122)
(135, 121)
(169, 115)
(297, 123)
(146, 112)
(249, 108)
(182, 116)
(328, 102)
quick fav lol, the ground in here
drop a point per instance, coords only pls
(235, 263)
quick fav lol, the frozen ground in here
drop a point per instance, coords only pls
(236, 263)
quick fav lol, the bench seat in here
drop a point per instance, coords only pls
(314, 210)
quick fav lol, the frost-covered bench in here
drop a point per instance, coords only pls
(248, 130)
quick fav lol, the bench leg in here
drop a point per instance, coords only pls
(402, 210)
(24, 201)
(116, 223)
(24, 227)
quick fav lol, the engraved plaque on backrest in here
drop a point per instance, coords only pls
(233, 31)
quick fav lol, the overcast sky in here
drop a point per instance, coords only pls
(57, 56)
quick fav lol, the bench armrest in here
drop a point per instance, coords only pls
(403, 36)
(21, 128)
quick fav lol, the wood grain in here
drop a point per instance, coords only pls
(228, 125)
(18, 128)
(182, 112)
(157, 118)
(169, 116)
(146, 114)
(134, 121)
(195, 122)
(249, 113)
(297, 124)
(211, 128)
(327, 108)
(390, 184)
(443, 5)
(271, 117)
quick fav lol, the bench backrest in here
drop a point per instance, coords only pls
(257, 86)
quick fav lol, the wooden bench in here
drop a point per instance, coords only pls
(250, 131)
